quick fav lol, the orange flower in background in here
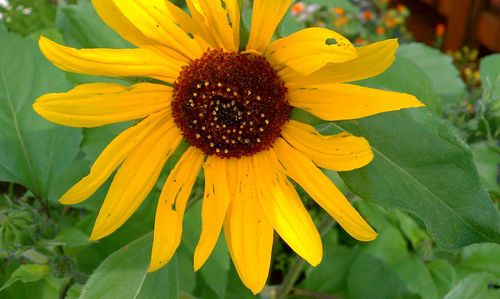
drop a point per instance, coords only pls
(298, 8)
(232, 104)
(401, 8)
(390, 22)
(367, 15)
(359, 41)
(341, 21)
(440, 30)
(339, 10)
(380, 30)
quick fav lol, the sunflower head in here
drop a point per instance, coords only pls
(233, 108)
(230, 104)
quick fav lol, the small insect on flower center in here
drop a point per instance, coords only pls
(230, 104)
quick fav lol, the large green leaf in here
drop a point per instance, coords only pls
(439, 68)
(421, 167)
(162, 284)
(124, 275)
(33, 152)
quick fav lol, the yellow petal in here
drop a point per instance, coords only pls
(215, 203)
(171, 206)
(109, 13)
(111, 157)
(322, 190)
(341, 152)
(345, 101)
(233, 10)
(310, 49)
(98, 104)
(135, 178)
(284, 210)
(372, 60)
(220, 25)
(114, 18)
(112, 62)
(249, 236)
(157, 20)
(266, 16)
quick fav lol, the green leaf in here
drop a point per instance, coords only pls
(72, 238)
(443, 274)
(81, 27)
(124, 275)
(33, 152)
(487, 160)
(330, 277)
(406, 76)
(421, 167)
(484, 257)
(42, 288)
(476, 286)
(218, 262)
(162, 284)
(489, 71)
(235, 288)
(410, 229)
(96, 139)
(385, 269)
(348, 5)
(27, 273)
(439, 68)
(288, 25)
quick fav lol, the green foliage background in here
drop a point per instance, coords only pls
(432, 191)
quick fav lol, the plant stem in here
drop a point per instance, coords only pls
(64, 291)
(297, 266)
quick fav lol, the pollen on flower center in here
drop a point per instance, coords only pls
(230, 104)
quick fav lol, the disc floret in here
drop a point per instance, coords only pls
(230, 104)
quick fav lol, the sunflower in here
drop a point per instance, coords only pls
(232, 105)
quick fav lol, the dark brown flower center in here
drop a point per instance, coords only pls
(230, 104)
